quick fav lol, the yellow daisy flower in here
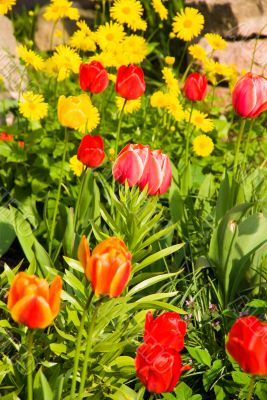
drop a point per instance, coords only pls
(200, 120)
(171, 81)
(169, 60)
(175, 108)
(63, 61)
(6, 5)
(83, 39)
(93, 120)
(203, 145)
(33, 106)
(216, 41)
(109, 35)
(197, 52)
(61, 9)
(76, 165)
(160, 9)
(188, 24)
(130, 106)
(136, 49)
(128, 12)
(112, 77)
(159, 99)
(30, 58)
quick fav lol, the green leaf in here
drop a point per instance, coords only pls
(47, 392)
(200, 355)
(7, 232)
(58, 348)
(212, 374)
(183, 391)
(149, 282)
(157, 256)
(240, 378)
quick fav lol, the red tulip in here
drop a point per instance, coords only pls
(247, 344)
(195, 87)
(158, 368)
(168, 330)
(93, 77)
(130, 82)
(250, 95)
(6, 136)
(31, 302)
(91, 151)
(108, 268)
(141, 166)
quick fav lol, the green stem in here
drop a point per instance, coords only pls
(186, 72)
(86, 355)
(52, 233)
(248, 138)
(239, 138)
(29, 366)
(77, 206)
(78, 347)
(119, 129)
(251, 388)
(52, 35)
(188, 135)
(182, 57)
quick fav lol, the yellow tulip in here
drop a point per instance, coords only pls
(73, 111)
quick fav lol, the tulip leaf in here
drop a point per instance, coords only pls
(200, 355)
(157, 256)
(47, 392)
(151, 281)
(7, 232)
(158, 305)
(212, 374)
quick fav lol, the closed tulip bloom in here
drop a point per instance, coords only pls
(93, 77)
(73, 111)
(158, 368)
(247, 344)
(195, 87)
(130, 83)
(91, 151)
(108, 268)
(141, 166)
(250, 95)
(32, 302)
(168, 330)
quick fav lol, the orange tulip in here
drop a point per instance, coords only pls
(31, 301)
(108, 268)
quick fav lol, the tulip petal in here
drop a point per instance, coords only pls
(54, 295)
(84, 252)
(120, 279)
(128, 166)
(167, 175)
(32, 311)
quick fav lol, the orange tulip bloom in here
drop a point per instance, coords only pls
(108, 268)
(31, 302)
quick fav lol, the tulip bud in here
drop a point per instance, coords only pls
(247, 344)
(141, 166)
(93, 77)
(250, 95)
(91, 151)
(130, 82)
(108, 268)
(195, 87)
(31, 301)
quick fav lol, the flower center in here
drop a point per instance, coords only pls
(126, 10)
(188, 23)
(110, 36)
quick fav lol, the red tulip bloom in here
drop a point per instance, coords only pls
(93, 77)
(167, 330)
(130, 82)
(247, 344)
(158, 368)
(91, 151)
(6, 136)
(250, 95)
(141, 166)
(195, 87)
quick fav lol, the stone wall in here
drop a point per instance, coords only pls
(240, 22)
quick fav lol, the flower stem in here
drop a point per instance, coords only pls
(52, 233)
(29, 366)
(52, 35)
(248, 138)
(251, 387)
(188, 135)
(86, 355)
(77, 206)
(182, 57)
(119, 128)
(240, 134)
(78, 347)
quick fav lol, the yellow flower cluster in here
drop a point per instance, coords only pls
(6, 5)
(76, 165)
(203, 145)
(62, 62)
(30, 58)
(188, 24)
(170, 80)
(129, 12)
(130, 106)
(169, 102)
(61, 9)
(83, 38)
(199, 120)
